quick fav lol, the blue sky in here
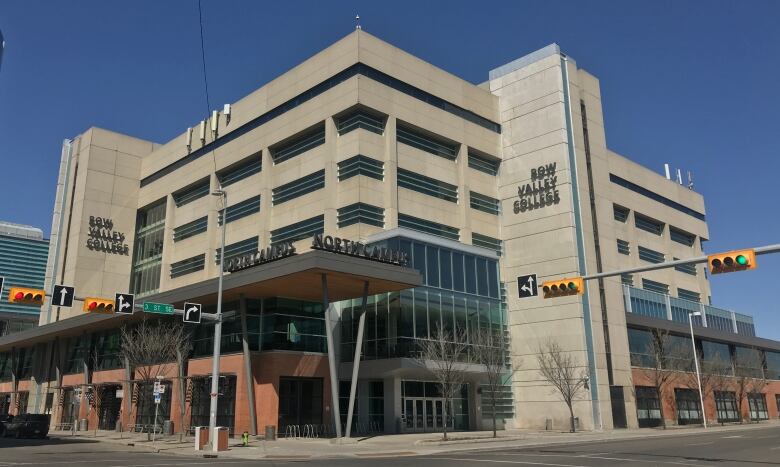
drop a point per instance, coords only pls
(690, 83)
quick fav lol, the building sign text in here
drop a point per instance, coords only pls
(541, 192)
(102, 237)
(361, 250)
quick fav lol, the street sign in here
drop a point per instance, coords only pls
(159, 308)
(192, 312)
(157, 398)
(161, 390)
(123, 304)
(526, 286)
(2, 280)
(63, 295)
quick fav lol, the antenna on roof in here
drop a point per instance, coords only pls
(690, 180)
(357, 22)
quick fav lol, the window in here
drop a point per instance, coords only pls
(299, 230)
(686, 268)
(483, 164)
(688, 295)
(648, 225)
(623, 247)
(726, 406)
(298, 144)
(241, 210)
(376, 405)
(688, 407)
(147, 254)
(190, 229)
(640, 344)
(655, 196)
(187, 266)
(620, 213)
(683, 238)
(354, 70)
(361, 213)
(429, 144)
(651, 256)
(361, 165)
(627, 279)
(240, 171)
(716, 358)
(757, 406)
(654, 286)
(250, 245)
(772, 365)
(426, 185)
(748, 362)
(300, 187)
(433, 228)
(191, 193)
(648, 407)
(486, 242)
(360, 119)
(484, 203)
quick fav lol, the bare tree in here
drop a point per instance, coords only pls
(151, 347)
(749, 379)
(443, 355)
(659, 367)
(721, 374)
(489, 349)
(564, 372)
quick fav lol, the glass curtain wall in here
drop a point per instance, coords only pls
(147, 253)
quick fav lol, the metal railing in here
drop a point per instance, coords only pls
(315, 431)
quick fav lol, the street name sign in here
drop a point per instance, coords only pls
(159, 308)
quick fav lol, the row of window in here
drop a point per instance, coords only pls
(688, 406)
(660, 287)
(655, 257)
(653, 226)
(655, 196)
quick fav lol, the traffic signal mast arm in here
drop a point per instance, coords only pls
(762, 250)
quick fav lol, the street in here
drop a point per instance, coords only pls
(718, 448)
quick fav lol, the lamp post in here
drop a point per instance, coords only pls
(217, 328)
(696, 362)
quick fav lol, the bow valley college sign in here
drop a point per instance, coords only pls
(319, 242)
(103, 237)
(541, 192)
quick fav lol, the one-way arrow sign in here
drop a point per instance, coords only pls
(192, 312)
(123, 303)
(526, 286)
(63, 295)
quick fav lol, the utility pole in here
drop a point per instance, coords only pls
(217, 329)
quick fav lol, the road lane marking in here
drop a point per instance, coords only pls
(702, 444)
(595, 455)
(733, 436)
(496, 461)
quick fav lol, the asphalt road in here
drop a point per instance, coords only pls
(758, 447)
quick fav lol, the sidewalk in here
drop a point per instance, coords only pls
(395, 445)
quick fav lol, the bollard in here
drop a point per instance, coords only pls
(245, 438)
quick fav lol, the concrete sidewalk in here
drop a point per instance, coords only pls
(394, 445)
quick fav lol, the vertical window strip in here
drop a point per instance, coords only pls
(482, 164)
(241, 171)
(242, 209)
(433, 228)
(191, 193)
(250, 245)
(187, 266)
(300, 187)
(361, 165)
(360, 119)
(361, 213)
(190, 229)
(426, 143)
(486, 242)
(147, 253)
(426, 185)
(299, 230)
(484, 203)
(298, 145)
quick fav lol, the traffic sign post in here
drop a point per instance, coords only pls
(526, 286)
(159, 308)
(192, 313)
(63, 295)
(124, 303)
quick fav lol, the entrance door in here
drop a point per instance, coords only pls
(300, 403)
(618, 407)
(109, 408)
(425, 414)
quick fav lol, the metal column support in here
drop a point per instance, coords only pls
(334, 382)
(356, 360)
(250, 379)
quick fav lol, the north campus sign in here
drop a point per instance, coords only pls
(319, 242)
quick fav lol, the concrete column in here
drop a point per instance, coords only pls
(266, 185)
(356, 359)
(391, 169)
(331, 176)
(392, 403)
(334, 381)
(248, 376)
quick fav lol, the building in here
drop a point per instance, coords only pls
(477, 185)
(23, 252)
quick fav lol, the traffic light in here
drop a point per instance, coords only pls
(25, 296)
(98, 305)
(737, 260)
(563, 287)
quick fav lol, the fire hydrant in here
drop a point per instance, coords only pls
(245, 438)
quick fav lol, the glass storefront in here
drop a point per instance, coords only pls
(648, 407)
(726, 406)
(300, 403)
(757, 406)
(422, 407)
(688, 406)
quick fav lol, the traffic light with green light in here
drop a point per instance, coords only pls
(737, 260)
(563, 287)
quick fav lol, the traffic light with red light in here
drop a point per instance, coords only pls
(737, 260)
(98, 305)
(25, 296)
(563, 287)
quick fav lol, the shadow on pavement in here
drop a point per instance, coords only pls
(25, 442)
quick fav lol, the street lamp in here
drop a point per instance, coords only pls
(217, 328)
(696, 362)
